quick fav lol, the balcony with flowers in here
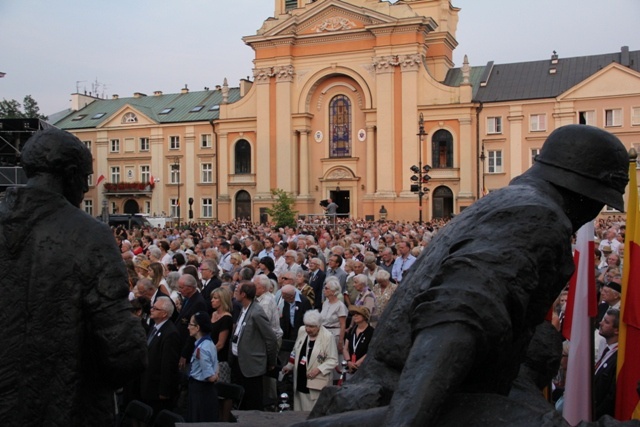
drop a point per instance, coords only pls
(128, 188)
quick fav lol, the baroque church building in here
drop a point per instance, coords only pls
(347, 96)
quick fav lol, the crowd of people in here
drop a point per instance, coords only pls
(273, 292)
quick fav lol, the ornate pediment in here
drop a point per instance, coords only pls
(129, 115)
(329, 17)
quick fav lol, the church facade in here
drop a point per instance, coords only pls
(347, 96)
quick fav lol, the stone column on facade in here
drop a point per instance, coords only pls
(304, 164)
(467, 159)
(516, 120)
(263, 120)
(285, 173)
(371, 160)
(410, 65)
(385, 171)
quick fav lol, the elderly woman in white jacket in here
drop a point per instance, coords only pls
(313, 359)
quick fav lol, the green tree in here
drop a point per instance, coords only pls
(282, 211)
(12, 109)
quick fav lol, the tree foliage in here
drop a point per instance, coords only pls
(12, 109)
(282, 211)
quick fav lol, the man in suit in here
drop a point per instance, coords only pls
(604, 380)
(210, 280)
(293, 310)
(145, 288)
(193, 303)
(253, 348)
(159, 383)
(316, 280)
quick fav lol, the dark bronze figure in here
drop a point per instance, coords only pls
(462, 320)
(69, 339)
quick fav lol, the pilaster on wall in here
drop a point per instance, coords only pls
(193, 176)
(467, 165)
(223, 155)
(102, 148)
(304, 163)
(516, 120)
(263, 151)
(385, 69)
(286, 167)
(410, 144)
(159, 170)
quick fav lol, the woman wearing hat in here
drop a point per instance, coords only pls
(203, 396)
(357, 338)
(312, 361)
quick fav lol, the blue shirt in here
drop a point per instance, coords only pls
(204, 360)
(400, 266)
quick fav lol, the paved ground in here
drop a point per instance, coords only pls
(257, 418)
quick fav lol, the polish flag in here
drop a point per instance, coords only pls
(100, 179)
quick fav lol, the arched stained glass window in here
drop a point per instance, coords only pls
(243, 157)
(340, 127)
(442, 152)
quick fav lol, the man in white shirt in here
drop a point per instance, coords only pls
(404, 261)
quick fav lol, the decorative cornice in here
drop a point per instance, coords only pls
(283, 73)
(383, 64)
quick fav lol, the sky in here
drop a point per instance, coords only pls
(51, 49)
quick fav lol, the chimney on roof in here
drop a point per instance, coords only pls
(225, 91)
(115, 96)
(185, 89)
(157, 93)
(138, 95)
(218, 87)
(554, 62)
(624, 56)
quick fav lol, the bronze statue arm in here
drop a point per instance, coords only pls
(439, 361)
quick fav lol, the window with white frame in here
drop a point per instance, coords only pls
(130, 118)
(90, 180)
(207, 207)
(87, 144)
(174, 143)
(613, 117)
(534, 154)
(147, 207)
(587, 118)
(115, 174)
(206, 173)
(635, 116)
(538, 122)
(175, 173)
(114, 207)
(144, 144)
(145, 173)
(637, 147)
(88, 206)
(494, 124)
(114, 145)
(494, 164)
(173, 207)
(205, 140)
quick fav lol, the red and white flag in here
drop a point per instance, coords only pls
(100, 179)
(581, 306)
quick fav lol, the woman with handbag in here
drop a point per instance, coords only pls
(313, 359)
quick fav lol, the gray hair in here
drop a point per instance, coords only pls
(155, 252)
(312, 318)
(146, 283)
(362, 279)
(172, 280)
(334, 285)
(263, 280)
(382, 275)
(189, 280)
(319, 262)
(166, 304)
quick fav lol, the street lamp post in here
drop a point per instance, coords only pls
(420, 176)
(176, 168)
(482, 159)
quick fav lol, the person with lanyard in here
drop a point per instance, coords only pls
(358, 338)
(203, 397)
(312, 361)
